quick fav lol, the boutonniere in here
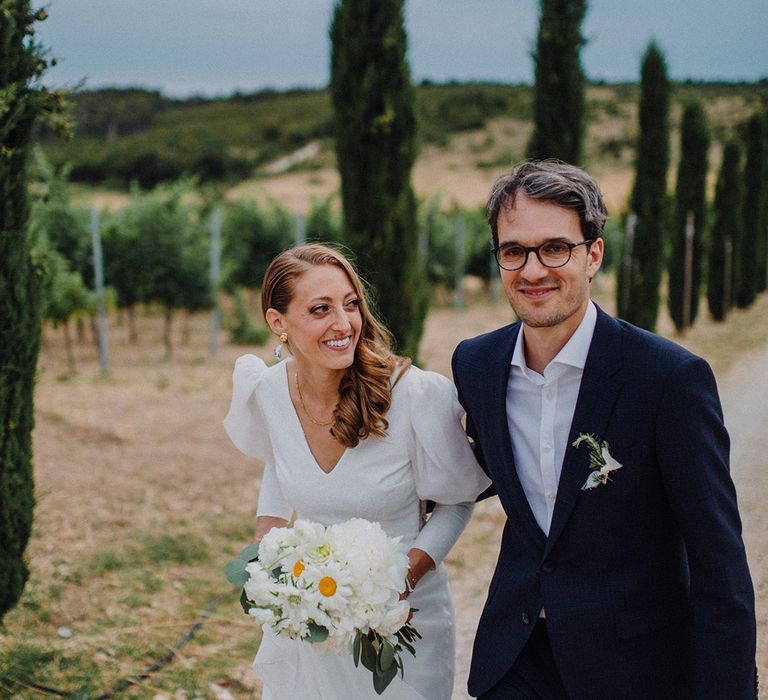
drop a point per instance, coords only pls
(601, 462)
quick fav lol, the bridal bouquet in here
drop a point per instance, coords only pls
(338, 586)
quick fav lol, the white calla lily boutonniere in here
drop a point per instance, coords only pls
(601, 462)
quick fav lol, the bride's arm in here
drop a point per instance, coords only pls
(273, 509)
(436, 538)
(264, 523)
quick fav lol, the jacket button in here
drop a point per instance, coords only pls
(547, 567)
(524, 617)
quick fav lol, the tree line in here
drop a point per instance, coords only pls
(722, 247)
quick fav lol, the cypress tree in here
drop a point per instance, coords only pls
(751, 246)
(375, 136)
(729, 202)
(21, 102)
(558, 100)
(690, 196)
(649, 195)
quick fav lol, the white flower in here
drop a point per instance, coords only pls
(610, 463)
(395, 618)
(601, 462)
(263, 616)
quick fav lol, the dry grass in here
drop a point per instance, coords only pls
(142, 499)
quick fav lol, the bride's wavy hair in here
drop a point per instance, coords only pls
(365, 392)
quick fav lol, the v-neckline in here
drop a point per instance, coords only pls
(297, 419)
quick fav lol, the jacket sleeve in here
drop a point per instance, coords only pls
(692, 448)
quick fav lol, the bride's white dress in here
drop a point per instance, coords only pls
(425, 456)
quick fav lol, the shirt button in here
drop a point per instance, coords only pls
(549, 395)
(524, 617)
(550, 496)
(547, 447)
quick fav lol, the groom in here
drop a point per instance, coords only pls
(622, 572)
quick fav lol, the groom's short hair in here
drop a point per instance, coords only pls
(552, 181)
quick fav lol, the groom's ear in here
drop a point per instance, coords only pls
(595, 259)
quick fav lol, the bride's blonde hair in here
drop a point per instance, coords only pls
(365, 392)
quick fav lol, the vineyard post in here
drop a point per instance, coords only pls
(215, 230)
(459, 232)
(98, 272)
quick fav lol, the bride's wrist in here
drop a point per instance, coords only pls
(410, 581)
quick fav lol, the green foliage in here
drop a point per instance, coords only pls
(22, 101)
(243, 330)
(729, 202)
(690, 196)
(751, 251)
(157, 250)
(649, 196)
(252, 237)
(54, 217)
(558, 102)
(66, 294)
(446, 109)
(132, 135)
(323, 224)
(442, 257)
(375, 136)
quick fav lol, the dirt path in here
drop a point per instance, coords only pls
(745, 406)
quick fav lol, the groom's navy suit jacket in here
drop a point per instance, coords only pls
(644, 579)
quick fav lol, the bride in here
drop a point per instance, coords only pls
(346, 429)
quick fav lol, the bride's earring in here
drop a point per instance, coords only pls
(283, 338)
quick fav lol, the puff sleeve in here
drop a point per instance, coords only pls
(245, 423)
(445, 467)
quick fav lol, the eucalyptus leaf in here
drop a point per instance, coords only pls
(317, 633)
(368, 654)
(245, 603)
(356, 649)
(250, 553)
(408, 646)
(386, 655)
(381, 682)
(235, 571)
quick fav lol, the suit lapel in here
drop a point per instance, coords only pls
(505, 477)
(594, 406)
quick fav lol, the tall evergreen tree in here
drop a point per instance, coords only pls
(558, 101)
(649, 196)
(21, 102)
(375, 134)
(751, 246)
(729, 203)
(690, 199)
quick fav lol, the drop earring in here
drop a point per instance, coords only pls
(283, 338)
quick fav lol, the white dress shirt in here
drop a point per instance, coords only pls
(539, 415)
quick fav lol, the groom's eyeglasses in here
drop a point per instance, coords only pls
(550, 254)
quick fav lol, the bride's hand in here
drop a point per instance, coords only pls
(419, 563)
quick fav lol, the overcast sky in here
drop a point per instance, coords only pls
(214, 47)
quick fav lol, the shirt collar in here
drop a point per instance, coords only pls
(574, 352)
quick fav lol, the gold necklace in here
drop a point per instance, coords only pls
(324, 424)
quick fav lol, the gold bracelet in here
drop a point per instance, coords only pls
(410, 584)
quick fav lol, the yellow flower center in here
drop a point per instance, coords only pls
(298, 567)
(327, 586)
